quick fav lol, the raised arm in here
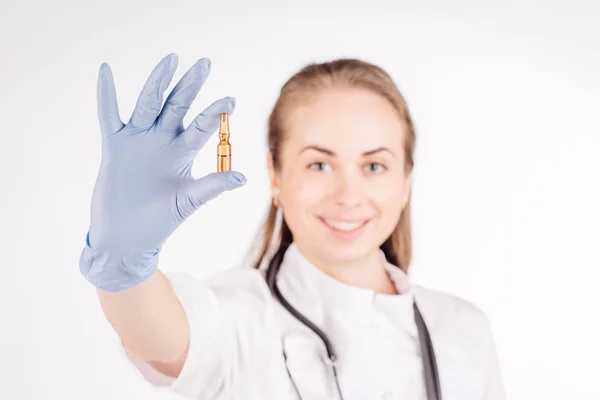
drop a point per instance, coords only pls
(151, 322)
(143, 192)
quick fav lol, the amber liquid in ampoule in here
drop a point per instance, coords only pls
(224, 147)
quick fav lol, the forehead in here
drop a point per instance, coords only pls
(345, 118)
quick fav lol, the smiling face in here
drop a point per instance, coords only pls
(342, 182)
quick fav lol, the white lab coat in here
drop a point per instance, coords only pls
(239, 331)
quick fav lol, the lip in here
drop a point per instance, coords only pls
(349, 221)
(346, 235)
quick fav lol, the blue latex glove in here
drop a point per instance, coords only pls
(144, 189)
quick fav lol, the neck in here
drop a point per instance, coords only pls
(367, 272)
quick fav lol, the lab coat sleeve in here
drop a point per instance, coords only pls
(230, 318)
(494, 386)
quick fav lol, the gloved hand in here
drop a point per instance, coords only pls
(144, 189)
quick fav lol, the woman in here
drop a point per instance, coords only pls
(328, 311)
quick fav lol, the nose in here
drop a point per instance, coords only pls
(349, 189)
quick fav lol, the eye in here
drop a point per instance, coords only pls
(318, 166)
(376, 167)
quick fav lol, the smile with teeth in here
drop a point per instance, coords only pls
(343, 225)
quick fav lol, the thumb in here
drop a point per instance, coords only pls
(202, 190)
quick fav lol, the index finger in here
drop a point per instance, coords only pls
(108, 109)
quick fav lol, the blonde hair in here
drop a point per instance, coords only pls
(308, 82)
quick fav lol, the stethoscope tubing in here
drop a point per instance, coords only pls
(431, 374)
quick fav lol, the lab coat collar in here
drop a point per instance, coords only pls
(301, 279)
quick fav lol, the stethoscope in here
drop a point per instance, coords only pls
(432, 380)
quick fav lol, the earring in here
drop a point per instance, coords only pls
(276, 201)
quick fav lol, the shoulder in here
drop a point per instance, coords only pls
(233, 300)
(233, 330)
(239, 282)
(238, 293)
(445, 312)
(463, 339)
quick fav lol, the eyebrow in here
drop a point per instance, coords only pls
(331, 153)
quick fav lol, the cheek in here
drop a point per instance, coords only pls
(388, 195)
(301, 199)
(300, 191)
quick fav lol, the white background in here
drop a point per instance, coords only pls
(506, 99)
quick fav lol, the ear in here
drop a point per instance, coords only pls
(272, 174)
